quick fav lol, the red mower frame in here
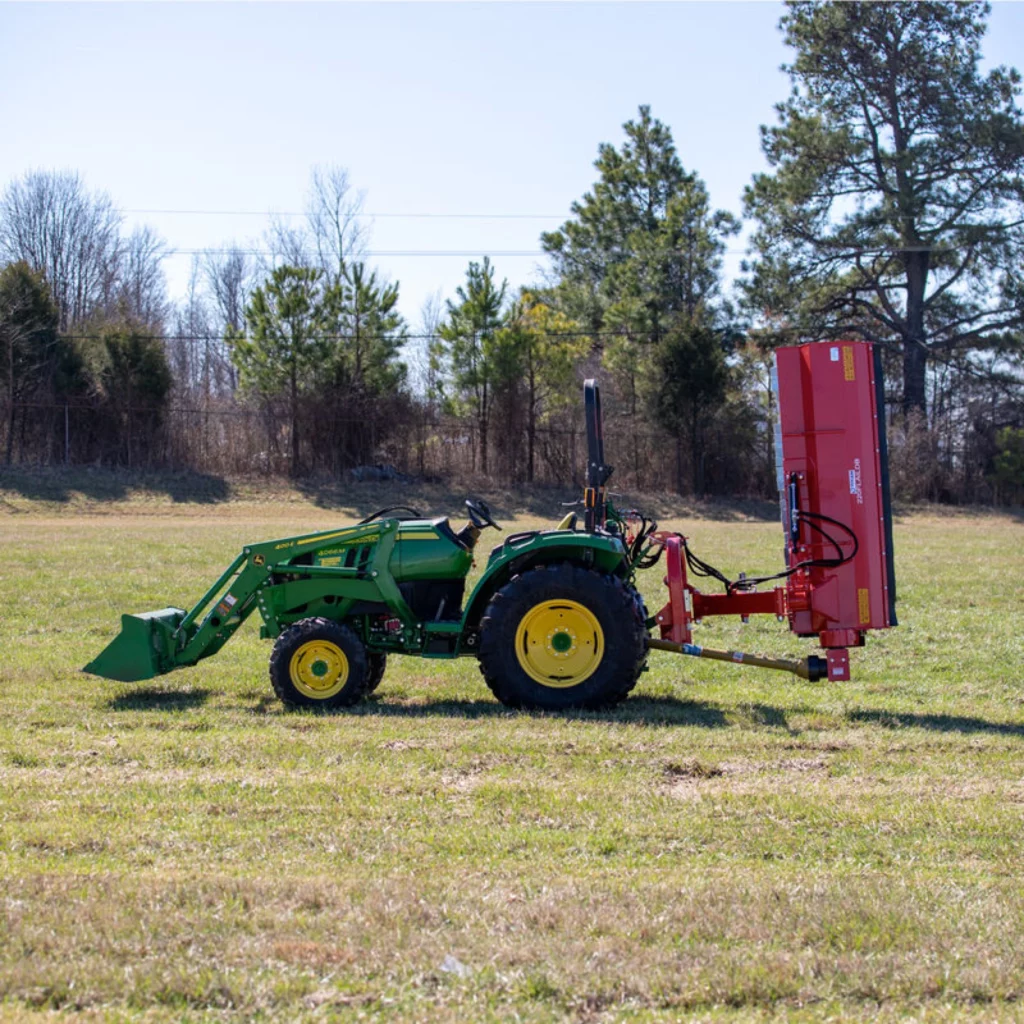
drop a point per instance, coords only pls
(832, 466)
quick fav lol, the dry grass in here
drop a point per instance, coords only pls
(730, 845)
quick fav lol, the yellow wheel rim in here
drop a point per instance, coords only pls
(319, 669)
(559, 643)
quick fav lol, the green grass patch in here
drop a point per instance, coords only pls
(730, 844)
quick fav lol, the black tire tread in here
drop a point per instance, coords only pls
(377, 662)
(621, 600)
(308, 629)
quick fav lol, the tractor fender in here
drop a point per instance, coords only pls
(523, 551)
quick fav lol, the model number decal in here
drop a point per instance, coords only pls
(856, 485)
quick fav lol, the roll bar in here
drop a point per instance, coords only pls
(597, 471)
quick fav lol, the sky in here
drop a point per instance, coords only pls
(452, 110)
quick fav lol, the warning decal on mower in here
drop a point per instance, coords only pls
(849, 373)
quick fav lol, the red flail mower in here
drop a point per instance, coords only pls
(832, 465)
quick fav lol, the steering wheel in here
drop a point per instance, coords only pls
(480, 514)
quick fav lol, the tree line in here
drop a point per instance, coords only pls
(892, 210)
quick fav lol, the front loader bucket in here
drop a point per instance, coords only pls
(144, 648)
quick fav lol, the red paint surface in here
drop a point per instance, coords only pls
(829, 421)
(831, 451)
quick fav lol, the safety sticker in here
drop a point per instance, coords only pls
(864, 605)
(848, 369)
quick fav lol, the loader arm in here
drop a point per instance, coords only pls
(264, 577)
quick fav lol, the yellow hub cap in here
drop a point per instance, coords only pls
(559, 643)
(319, 669)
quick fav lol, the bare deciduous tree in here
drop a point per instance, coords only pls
(332, 235)
(50, 220)
(229, 276)
(286, 245)
(192, 326)
(333, 214)
(424, 371)
(141, 291)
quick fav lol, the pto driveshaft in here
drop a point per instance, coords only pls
(811, 668)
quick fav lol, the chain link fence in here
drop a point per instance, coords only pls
(228, 439)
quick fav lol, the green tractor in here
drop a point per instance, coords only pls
(555, 620)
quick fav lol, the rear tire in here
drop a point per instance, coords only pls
(563, 637)
(319, 663)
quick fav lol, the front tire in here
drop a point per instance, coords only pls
(319, 663)
(563, 637)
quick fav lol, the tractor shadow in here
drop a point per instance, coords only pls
(671, 711)
(936, 723)
(647, 711)
(770, 717)
(155, 699)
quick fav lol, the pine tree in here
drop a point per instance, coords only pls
(30, 348)
(547, 347)
(640, 256)
(366, 374)
(644, 244)
(468, 343)
(371, 333)
(893, 208)
(287, 343)
(690, 383)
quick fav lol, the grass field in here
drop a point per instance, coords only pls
(731, 844)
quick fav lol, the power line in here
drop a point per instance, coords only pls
(376, 253)
(382, 216)
(169, 211)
